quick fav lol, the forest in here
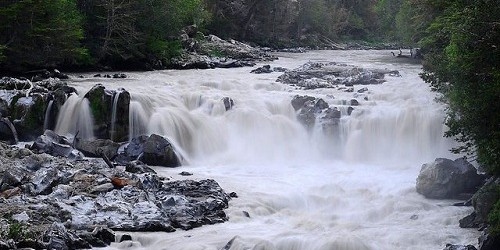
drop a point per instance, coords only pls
(120, 33)
(460, 41)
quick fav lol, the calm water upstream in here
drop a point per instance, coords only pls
(302, 190)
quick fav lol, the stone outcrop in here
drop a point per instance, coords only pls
(447, 179)
(312, 110)
(102, 102)
(52, 203)
(314, 75)
(27, 105)
(205, 52)
(153, 150)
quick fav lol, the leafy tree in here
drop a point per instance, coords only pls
(464, 66)
(36, 33)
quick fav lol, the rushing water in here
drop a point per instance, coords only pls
(301, 190)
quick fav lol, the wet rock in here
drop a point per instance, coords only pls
(9, 83)
(488, 241)
(55, 145)
(119, 75)
(314, 75)
(65, 201)
(101, 103)
(58, 237)
(138, 167)
(459, 247)
(184, 173)
(125, 237)
(103, 188)
(447, 179)
(354, 102)
(44, 180)
(104, 234)
(262, 70)
(97, 147)
(349, 110)
(362, 90)
(229, 244)
(158, 151)
(469, 221)
(299, 101)
(311, 109)
(484, 200)
(228, 103)
(280, 69)
(214, 52)
(28, 115)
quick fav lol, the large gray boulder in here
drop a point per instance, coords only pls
(448, 179)
(102, 101)
(158, 151)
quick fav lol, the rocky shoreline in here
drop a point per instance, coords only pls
(52, 202)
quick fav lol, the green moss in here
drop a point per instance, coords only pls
(16, 231)
(494, 219)
(216, 52)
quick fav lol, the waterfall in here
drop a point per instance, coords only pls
(46, 121)
(348, 184)
(75, 117)
(116, 97)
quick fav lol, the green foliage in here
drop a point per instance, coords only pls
(2, 56)
(494, 220)
(16, 231)
(41, 33)
(464, 66)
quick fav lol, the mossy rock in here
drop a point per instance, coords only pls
(28, 114)
(485, 198)
(101, 102)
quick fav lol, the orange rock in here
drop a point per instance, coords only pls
(11, 192)
(119, 182)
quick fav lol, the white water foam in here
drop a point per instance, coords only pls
(302, 190)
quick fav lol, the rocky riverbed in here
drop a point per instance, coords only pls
(52, 202)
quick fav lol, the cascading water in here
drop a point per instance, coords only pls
(75, 117)
(46, 121)
(350, 188)
(116, 97)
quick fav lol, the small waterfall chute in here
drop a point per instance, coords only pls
(75, 117)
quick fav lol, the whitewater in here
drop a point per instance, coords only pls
(297, 188)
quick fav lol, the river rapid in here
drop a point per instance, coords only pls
(300, 189)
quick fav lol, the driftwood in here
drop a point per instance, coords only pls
(11, 127)
(101, 153)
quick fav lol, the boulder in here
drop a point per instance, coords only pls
(262, 70)
(55, 145)
(228, 103)
(28, 115)
(152, 150)
(58, 237)
(459, 247)
(103, 103)
(97, 147)
(488, 241)
(314, 75)
(448, 179)
(158, 151)
(484, 200)
(299, 101)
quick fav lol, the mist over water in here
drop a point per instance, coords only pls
(351, 188)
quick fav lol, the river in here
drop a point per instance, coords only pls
(300, 189)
